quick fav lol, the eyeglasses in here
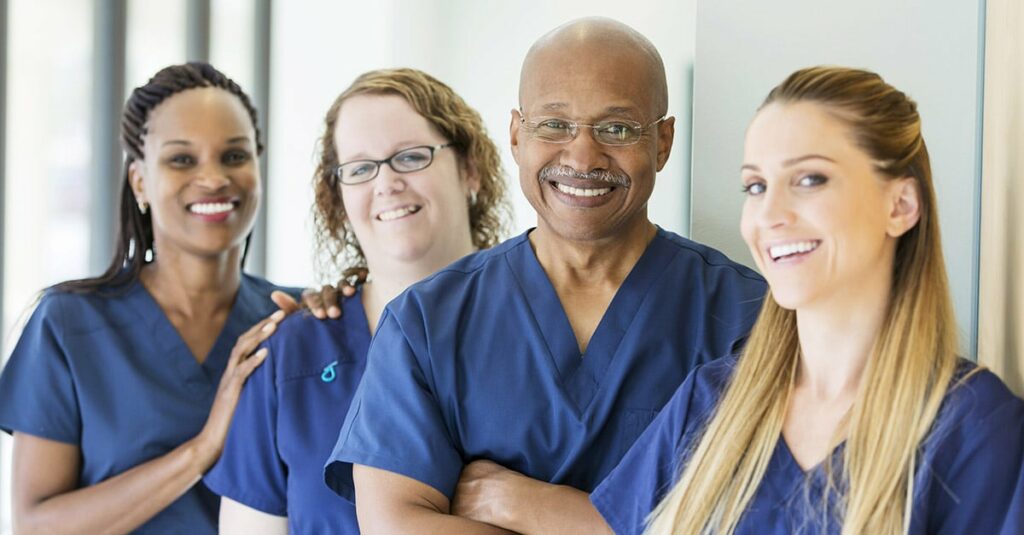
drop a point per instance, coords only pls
(403, 161)
(614, 132)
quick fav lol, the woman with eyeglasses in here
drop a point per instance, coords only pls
(121, 388)
(407, 182)
(849, 410)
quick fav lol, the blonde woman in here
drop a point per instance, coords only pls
(849, 410)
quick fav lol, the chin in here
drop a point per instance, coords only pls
(790, 297)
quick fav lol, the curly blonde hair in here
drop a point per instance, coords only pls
(338, 249)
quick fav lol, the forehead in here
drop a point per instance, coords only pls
(369, 125)
(781, 131)
(198, 113)
(585, 82)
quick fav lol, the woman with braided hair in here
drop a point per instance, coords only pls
(121, 388)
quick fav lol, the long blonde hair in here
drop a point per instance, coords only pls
(912, 361)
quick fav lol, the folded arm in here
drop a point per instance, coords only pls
(387, 503)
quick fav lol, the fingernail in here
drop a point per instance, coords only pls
(277, 316)
(334, 312)
(268, 327)
(261, 353)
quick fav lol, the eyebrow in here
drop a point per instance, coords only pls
(790, 162)
(611, 110)
(232, 141)
(395, 149)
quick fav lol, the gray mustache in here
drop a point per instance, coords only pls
(597, 175)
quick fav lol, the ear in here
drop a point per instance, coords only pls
(470, 177)
(135, 179)
(513, 133)
(905, 206)
(666, 133)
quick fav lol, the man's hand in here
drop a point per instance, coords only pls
(490, 493)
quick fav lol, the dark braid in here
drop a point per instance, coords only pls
(134, 237)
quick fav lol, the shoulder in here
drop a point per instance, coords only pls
(254, 296)
(459, 280)
(304, 344)
(82, 312)
(705, 259)
(262, 286)
(709, 381)
(977, 400)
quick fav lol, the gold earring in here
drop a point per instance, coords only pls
(143, 207)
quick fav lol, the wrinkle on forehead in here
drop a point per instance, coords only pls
(603, 38)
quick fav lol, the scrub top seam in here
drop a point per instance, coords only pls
(709, 263)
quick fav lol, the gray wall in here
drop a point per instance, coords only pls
(931, 50)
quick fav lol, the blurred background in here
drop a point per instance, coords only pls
(66, 67)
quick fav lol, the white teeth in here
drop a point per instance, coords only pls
(211, 208)
(398, 213)
(582, 192)
(779, 251)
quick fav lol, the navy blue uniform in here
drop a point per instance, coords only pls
(479, 361)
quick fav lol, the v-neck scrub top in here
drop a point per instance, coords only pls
(479, 361)
(288, 419)
(970, 475)
(108, 372)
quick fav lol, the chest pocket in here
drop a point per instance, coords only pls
(635, 422)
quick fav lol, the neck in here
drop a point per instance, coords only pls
(191, 285)
(837, 338)
(589, 262)
(392, 277)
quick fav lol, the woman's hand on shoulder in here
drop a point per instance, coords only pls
(325, 302)
(245, 357)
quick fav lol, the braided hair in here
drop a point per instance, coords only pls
(134, 239)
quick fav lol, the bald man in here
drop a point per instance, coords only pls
(539, 362)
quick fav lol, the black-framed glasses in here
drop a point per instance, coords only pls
(403, 161)
(615, 132)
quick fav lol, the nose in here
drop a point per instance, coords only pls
(584, 153)
(775, 209)
(212, 176)
(388, 182)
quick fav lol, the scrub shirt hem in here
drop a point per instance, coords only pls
(11, 428)
(248, 500)
(608, 513)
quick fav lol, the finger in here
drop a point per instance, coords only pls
(250, 364)
(311, 298)
(284, 301)
(329, 294)
(346, 289)
(248, 342)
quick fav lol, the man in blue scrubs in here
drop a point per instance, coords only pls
(550, 353)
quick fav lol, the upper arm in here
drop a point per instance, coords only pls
(242, 519)
(38, 390)
(384, 500)
(395, 422)
(42, 469)
(250, 469)
(648, 470)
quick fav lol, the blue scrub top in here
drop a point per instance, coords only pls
(970, 477)
(107, 372)
(288, 418)
(479, 362)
